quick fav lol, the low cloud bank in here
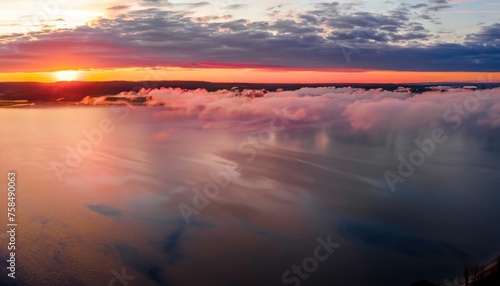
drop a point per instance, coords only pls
(360, 109)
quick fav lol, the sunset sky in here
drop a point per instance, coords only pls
(251, 41)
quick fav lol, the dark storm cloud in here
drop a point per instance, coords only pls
(489, 35)
(362, 19)
(289, 26)
(325, 37)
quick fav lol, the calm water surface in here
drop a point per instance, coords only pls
(118, 204)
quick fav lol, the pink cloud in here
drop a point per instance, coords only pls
(350, 109)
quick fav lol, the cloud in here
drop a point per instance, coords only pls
(419, 5)
(199, 4)
(327, 37)
(235, 6)
(436, 5)
(349, 109)
(118, 7)
(489, 36)
(157, 3)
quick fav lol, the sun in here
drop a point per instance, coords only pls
(67, 75)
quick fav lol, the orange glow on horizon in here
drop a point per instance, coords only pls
(248, 75)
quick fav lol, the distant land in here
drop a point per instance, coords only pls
(77, 90)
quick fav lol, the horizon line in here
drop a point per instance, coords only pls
(253, 83)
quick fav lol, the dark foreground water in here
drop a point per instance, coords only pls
(118, 196)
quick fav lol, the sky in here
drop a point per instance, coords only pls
(251, 41)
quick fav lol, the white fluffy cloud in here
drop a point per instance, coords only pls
(354, 109)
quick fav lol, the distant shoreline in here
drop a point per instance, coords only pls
(76, 91)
